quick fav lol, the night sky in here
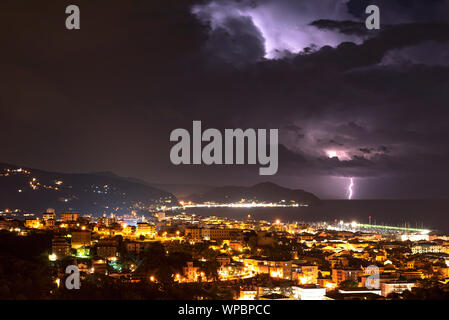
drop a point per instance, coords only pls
(348, 102)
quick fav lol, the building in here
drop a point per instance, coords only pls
(412, 274)
(193, 233)
(33, 223)
(105, 221)
(81, 239)
(236, 245)
(274, 296)
(248, 294)
(340, 275)
(305, 274)
(442, 272)
(137, 247)
(60, 247)
(69, 217)
(50, 223)
(49, 215)
(8, 223)
(264, 238)
(107, 248)
(100, 267)
(145, 229)
(359, 291)
(223, 260)
(308, 292)
(276, 269)
(190, 272)
(280, 269)
(327, 283)
(216, 234)
(395, 287)
(427, 247)
(414, 237)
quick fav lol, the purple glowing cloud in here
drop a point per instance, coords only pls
(285, 26)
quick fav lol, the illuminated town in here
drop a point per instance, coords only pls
(166, 252)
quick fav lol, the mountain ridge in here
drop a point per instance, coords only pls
(33, 190)
(261, 192)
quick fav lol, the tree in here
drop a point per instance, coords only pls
(349, 284)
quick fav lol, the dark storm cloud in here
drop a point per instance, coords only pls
(365, 106)
(430, 53)
(345, 27)
(107, 97)
(284, 25)
(365, 150)
(236, 41)
(287, 27)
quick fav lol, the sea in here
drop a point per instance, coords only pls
(427, 214)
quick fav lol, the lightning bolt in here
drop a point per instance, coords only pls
(350, 191)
